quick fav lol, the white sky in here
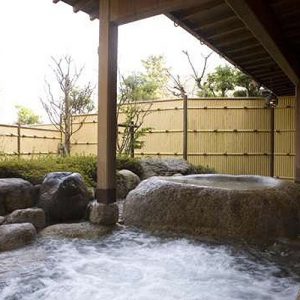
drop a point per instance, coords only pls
(32, 31)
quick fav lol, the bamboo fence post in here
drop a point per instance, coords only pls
(185, 127)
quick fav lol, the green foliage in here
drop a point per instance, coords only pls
(156, 74)
(221, 81)
(35, 169)
(202, 170)
(147, 85)
(132, 164)
(225, 79)
(136, 87)
(26, 116)
(81, 101)
(250, 87)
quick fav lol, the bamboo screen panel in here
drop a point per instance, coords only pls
(231, 135)
(28, 141)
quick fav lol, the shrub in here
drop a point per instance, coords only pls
(202, 170)
(35, 169)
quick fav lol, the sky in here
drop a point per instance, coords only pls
(32, 31)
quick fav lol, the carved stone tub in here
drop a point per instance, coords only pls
(248, 207)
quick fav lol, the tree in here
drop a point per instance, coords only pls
(66, 98)
(130, 90)
(147, 85)
(198, 76)
(26, 116)
(250, 87)
(221, 81)
(156, 75)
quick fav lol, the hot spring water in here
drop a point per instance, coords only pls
(133, 265)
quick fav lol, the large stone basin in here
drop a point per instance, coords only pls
(247, 207)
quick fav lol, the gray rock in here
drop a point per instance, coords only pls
(35, 216)
(13, 236)
(2, 220)
(15, 193)
(63, 197)
(164, 167)
(104, 214)
(126, 181)
(83, 230)
(266, 213)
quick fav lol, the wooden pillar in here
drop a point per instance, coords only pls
(297, 135)
(107, 101)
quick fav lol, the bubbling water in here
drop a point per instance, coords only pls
(133, 265)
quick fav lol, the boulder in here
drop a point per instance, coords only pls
(35, 216)
(181, 205)
(63, 197)
(83, 230)
(2, 220)
(165, 167)
(103, 214)
(13, 236)
(126, 181)
(15, 193)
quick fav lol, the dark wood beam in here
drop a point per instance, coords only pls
(186, 14)
(227, 33)
(81, 4)
(259, 20)
(125, 11)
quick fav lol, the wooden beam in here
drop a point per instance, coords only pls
(80, 4)
(257, 17)
(125, 11)
(107, 101)
(207, 5)
(297, 135)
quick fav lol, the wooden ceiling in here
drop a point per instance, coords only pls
(224, 26)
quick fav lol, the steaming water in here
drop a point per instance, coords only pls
(224, 183)
(133, 265)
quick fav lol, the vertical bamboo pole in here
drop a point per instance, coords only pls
(272, 140)
(131, 132)
(107, 100)
(297, 135)
(19, 140)
(185, 127)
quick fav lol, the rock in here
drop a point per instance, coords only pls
(13, 236)
(126, 181)
(35, 216)
(15, 193)
(164, 167)
(91, 193)
(83, 230)
(63, 197)
(166, 205)
(104, 214)
(2, 220)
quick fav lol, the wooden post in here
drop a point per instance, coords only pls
(131, 132)
(185, 127)
(297, 135)
(19, 140)
(272, 140)
(107, 100)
